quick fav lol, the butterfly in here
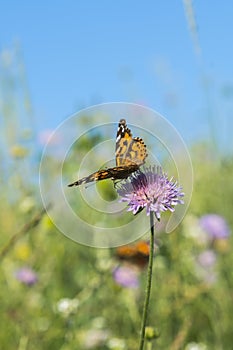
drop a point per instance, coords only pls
(130, 155)
(136, 254)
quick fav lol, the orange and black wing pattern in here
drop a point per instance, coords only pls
(136, 254)
(130, 155)
(129, 150)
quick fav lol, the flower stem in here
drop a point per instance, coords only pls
(149, 280)
(25, 229)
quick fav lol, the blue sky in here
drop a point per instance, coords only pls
(80, 53)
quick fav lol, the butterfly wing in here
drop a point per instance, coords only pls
(130, 154)
(96, 176)
(129, 150)
(136, 254)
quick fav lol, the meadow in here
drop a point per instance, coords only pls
(67, 297)
(57, 294)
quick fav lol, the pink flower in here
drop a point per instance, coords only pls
(126, 276)
(46, 136)
(215, 226)
(150, 189)
(26, 275)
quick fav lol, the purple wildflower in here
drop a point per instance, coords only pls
(26, 275)
(150, 189)
(126, 276)
(207, 259)
(205, 267)
(215, 226)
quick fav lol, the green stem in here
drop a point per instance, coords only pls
(25, 229)
(149, 345)
(149, 280)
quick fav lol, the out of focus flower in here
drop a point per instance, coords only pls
(18, 151)
(27, 204)
(150, 189)
(207, 259)
(196, 346)
(151, 333)
(67, 306)
(26, 275)
(22, 251)
(95, 338)
(215, 226)
(46, 136)
(191, 228)
(47, 223)
(205, 267)
(126, 276)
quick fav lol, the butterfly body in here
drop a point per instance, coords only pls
(130, 155)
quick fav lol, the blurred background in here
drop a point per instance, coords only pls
(55, 59)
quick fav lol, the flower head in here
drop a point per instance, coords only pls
(26, 275)
(95, 338)
(205, 267)
(207, 259)
(126, 276)
(150, 189)
(215, 226)
(67, 306)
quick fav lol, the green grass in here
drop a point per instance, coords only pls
(184, 307)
